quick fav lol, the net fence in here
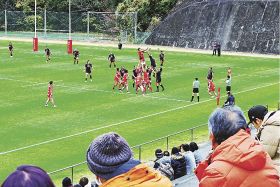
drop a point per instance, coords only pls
(93, 26)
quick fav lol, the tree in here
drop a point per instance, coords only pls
(149, 11)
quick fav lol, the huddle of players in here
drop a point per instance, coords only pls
(141, 74)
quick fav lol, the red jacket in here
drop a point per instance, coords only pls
(238, 161)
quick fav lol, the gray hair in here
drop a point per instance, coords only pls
(225, 122)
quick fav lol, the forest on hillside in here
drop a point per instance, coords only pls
(150, 12)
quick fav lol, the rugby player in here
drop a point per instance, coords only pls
(50, 94)
(88, 70)
(76, 54)
(11, 49)
(48, 54)
(211, 88)
(161, 58)
(158, 80)
(112, 59)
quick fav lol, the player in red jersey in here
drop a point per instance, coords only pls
(50, 94)
(229, 71)
(211, 88)
(124, 81)
(117, 79)
(147, 81)
(141, 56)
(139, 84)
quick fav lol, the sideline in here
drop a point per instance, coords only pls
(135, 46)
(127, 121)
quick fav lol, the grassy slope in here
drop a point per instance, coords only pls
(24, 120)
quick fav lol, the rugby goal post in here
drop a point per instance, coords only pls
(35, 39)
(218, 96)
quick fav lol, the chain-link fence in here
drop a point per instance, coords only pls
(143, 152)
(93, 26)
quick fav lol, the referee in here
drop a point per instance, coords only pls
(228, 84)
(195, 89)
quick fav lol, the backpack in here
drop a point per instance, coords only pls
(165, 169)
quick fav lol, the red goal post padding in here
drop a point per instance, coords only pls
(218, 96)
(35, 44)
(69, 47)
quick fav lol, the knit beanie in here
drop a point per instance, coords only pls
(107, 153)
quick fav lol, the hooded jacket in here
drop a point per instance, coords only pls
(178, 163)
(269, 136)
(139, 176)
(238, 161)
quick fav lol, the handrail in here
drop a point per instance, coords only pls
(135, 146)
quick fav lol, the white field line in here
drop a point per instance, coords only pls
(31, 84)
(124, 93)
(40, 83)
(127, 121)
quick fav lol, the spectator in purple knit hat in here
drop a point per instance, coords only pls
(110, 158)
(28, 176)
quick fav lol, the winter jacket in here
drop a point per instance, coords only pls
(190, 162)
(238, 161)
(178, 163)
(139, 176)
(269, 136)
(197, 156)
(165, 160)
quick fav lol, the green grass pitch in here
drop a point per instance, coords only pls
(25, 121)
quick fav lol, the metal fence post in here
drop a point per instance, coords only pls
(72, 175)
(139, 149)
(167, 143)
(6, 23)
(192, 134)
(45, 23)
(135, 27)
(88, 24)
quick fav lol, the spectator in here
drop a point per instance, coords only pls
(230, 100)
(166, 153)
(158, 154)
(214, 45)
(120, 46)
(163, 165)
(189, 157)
(268, 126)
(219, 49)
(109, 157)
(162, 157)
(237, 159)
(196, 152)
(178, 163)
(82, 183)
(66, 182)
(166, 157)
(28, 176)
